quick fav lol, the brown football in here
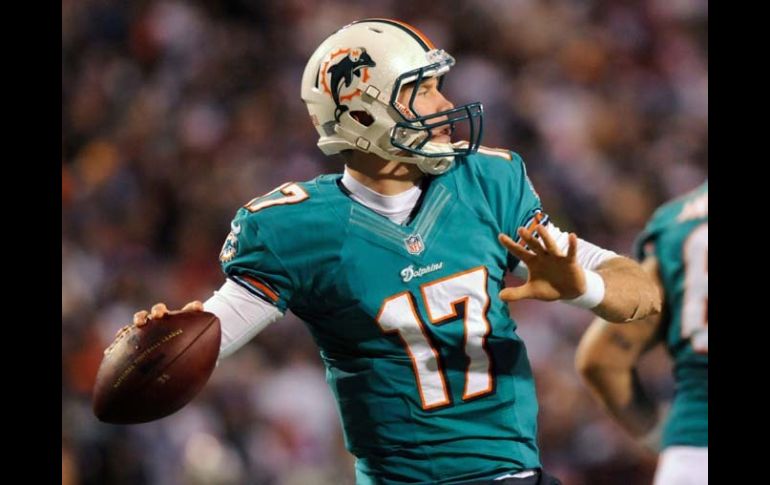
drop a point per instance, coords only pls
(152, 371)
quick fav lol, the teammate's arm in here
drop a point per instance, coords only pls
(606, 359)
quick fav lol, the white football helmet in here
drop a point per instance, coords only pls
(351, 85)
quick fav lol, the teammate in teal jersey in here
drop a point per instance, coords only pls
(397, 268)
(675, 248)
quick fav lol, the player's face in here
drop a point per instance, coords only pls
(428, 101)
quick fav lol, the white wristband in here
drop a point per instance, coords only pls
(594, 293)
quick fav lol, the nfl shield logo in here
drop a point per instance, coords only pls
(414, 244)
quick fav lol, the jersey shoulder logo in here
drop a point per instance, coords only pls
(230, 247)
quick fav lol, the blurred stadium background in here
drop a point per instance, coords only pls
(175, 113)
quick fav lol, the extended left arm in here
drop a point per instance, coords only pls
(630, 294)
(613, 287)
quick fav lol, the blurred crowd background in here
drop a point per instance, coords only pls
(175, 113)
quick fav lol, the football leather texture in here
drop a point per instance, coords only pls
(152, 371)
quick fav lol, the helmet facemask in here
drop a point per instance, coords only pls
(413, 132)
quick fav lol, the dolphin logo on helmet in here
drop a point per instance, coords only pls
(342, 72)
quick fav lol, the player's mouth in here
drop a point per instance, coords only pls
(442, 135)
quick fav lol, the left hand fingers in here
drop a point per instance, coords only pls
(515, 249)
(516, 293)
(550, 244)
(532, 243)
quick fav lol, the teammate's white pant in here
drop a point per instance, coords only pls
(683, 465)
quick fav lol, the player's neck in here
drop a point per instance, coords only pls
(386, 177)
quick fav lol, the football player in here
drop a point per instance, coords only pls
(674, 246)
(397, 266)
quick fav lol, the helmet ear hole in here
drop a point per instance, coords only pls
(362, 117)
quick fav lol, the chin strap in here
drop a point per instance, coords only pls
(428, 165)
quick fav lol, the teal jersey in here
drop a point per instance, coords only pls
(432, 383)
(677, 235)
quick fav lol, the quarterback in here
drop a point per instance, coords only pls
(397, 268)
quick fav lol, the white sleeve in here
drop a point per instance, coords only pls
(589, 255)
(241, 315)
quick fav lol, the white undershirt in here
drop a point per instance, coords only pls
(243, 315)
(395, 207)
